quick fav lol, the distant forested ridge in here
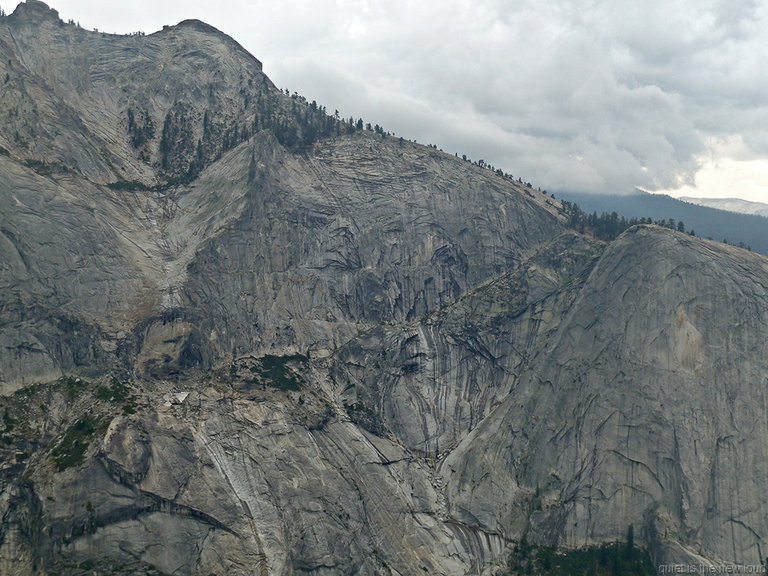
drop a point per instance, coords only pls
(738, 229)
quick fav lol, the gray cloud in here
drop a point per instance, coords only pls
(581, 95)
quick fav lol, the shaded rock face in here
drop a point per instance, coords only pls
(435, 380)
(230, 346)
(355, 233)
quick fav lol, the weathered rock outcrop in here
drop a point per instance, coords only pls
(647, 408)
(238, 336)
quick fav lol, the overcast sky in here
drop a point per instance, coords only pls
(600, 96)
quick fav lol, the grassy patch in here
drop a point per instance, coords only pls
(275, 371)
(72, 447)
(129, 185)
(46, 168)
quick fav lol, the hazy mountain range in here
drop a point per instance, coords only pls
(731, 205)
(707, 221)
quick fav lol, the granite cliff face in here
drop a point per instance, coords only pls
(238, 336)
(646, 408)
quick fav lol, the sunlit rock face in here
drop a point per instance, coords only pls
(645, 409)
(238, 336)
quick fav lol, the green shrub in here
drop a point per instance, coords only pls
(612, 559)
(129, 185)
(366, 418)
(72, 447)
(116, 392)
(9, 422)
(278, 374)
(27, 391)
(73, 385)
(274, 371)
